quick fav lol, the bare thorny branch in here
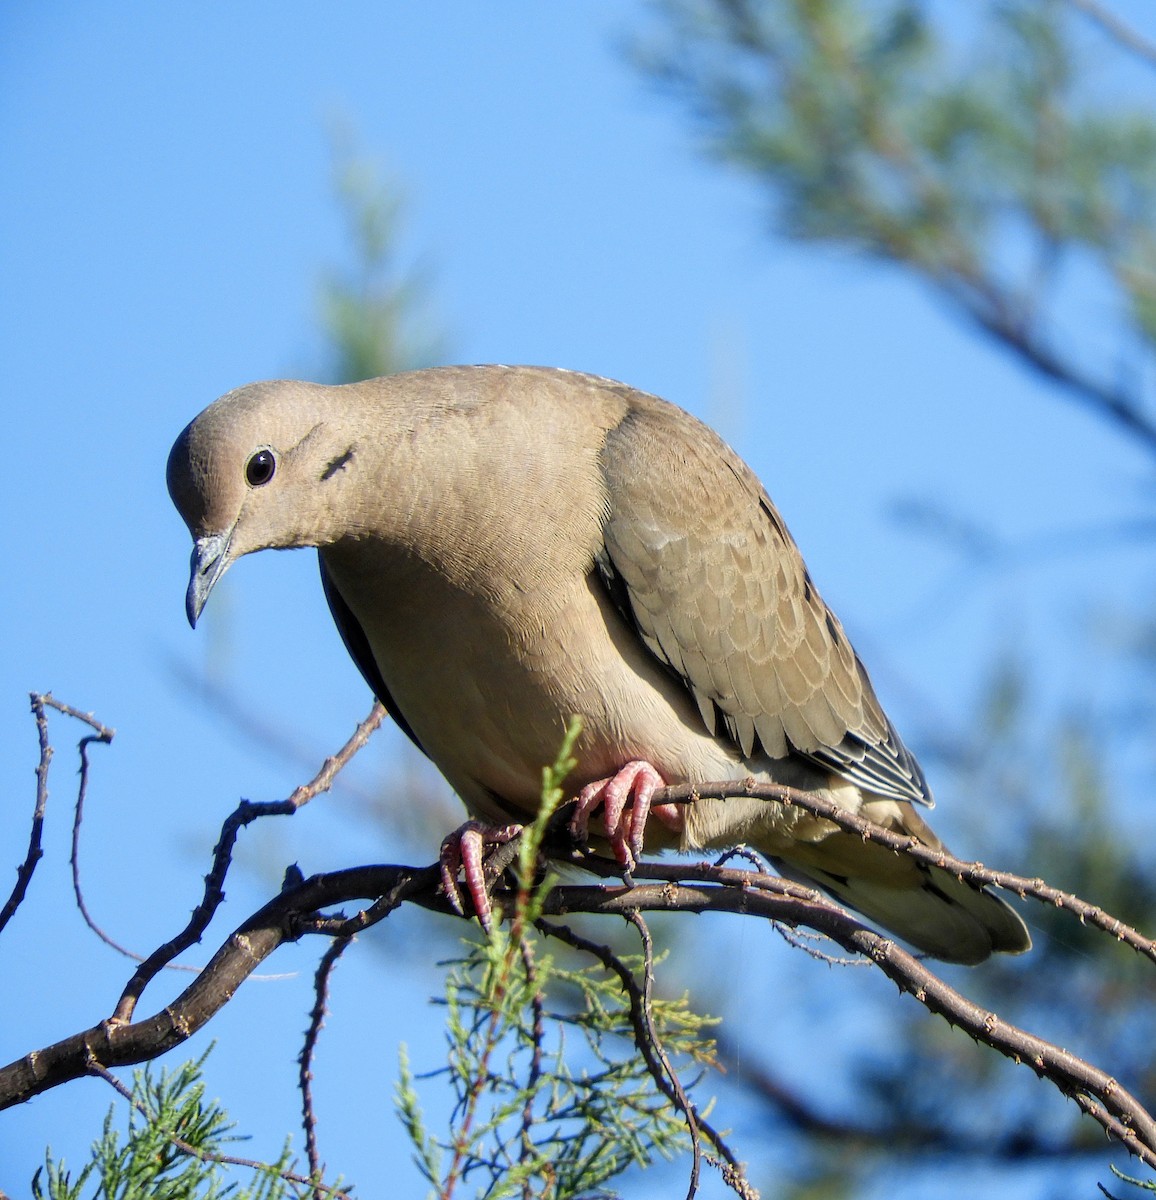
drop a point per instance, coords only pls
(973, 872)
(103, 735)
(202, 915)
(692, 887)
(325, 967)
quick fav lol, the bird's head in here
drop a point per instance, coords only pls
(260, 468)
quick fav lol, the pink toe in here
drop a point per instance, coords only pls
(625, 798)
(464, 850)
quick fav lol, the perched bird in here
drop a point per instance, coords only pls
(505, 547)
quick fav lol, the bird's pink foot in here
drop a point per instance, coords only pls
(464, 851)
(625, 799)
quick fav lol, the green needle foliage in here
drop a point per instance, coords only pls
(374, 312)
(551, 1095)
(171, 1149)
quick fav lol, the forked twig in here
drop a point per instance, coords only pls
(41, 701)
(646, 1039)
(214, 893)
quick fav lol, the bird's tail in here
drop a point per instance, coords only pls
(925, 905)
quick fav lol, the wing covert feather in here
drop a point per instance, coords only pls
(718, 591)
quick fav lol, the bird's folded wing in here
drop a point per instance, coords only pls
(701, 564)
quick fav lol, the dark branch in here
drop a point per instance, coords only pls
(692, 888)
(801, 1115)
(103, 734)
(305, 1060)
(973, 872)
(214, 893)
(27, 868)
(647, 1034)
(74, 857)
(1121, 407)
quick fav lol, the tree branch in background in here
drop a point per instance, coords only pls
(301, 907)
(1118, 30)
(683, 888)
(866, 126)
(801, 1115)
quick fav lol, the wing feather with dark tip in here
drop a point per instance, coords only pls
(701, 563)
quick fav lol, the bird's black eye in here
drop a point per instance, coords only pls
(259, 469)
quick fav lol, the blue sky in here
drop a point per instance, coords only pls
(165, 217)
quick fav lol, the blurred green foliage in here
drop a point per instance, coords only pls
(1004, 154)
(983, 147)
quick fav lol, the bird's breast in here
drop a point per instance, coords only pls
(489, 677)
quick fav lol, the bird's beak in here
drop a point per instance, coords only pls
(210, 561)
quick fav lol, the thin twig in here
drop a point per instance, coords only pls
(104, 735)
(27, 868)
(74, 856)
(214, 892)
(805, 940)
(538, 1034)
(642, 1029)
(973, 872)
(305, 1060)
(685, 1104)
(800, 939)
(756, 860)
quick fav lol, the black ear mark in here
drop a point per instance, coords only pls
(337, 464)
